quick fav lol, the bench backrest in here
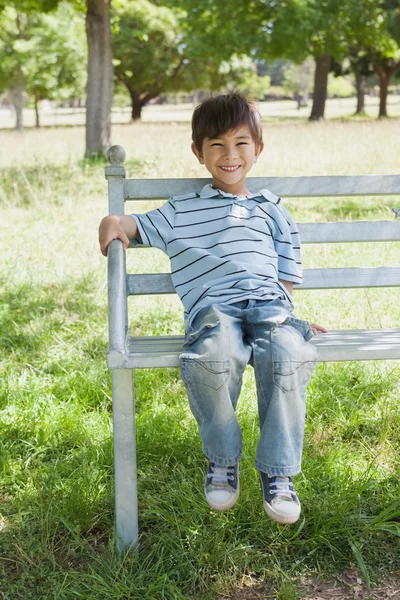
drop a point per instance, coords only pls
(121, 189)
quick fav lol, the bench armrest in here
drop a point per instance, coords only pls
(117, 303)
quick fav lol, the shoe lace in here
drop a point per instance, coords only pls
(221, 474)
(280, 487)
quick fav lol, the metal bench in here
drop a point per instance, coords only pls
(126, 353)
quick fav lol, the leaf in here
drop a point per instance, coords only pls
(361, 563)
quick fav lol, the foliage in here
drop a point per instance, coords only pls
(52, 58)
(224, 28)
(340, 87)
(241, 73)
(29, 5)
(299, 77)
(274, 68)
(155, 52)
(148, 51)
(254, 86)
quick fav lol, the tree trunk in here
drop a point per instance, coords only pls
(18, 99)
(360, 87)
(323, 64)
(37, 117)
(100, 78)
(138, 100)
(384, 79)
(136, 109)
(385, 73)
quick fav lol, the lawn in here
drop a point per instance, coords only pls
(272, 111)
(56, 491)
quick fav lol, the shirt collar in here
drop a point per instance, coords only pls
(209, 191)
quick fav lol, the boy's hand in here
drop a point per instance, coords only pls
(116, 227)
(317, 328)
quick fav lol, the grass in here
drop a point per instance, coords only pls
(56, 490)
(273, 112)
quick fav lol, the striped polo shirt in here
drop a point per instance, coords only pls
(223, 248)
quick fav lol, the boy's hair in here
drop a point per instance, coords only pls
(223, 113)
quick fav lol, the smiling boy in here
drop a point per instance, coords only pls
(235, 257)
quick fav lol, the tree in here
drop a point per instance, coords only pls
(14, 46)
(386, 59)
(100, 77)
(12, 51)
(325, 30)
(362, 67)
(154, 53)
(376, 50)
(100, 68)
(55, 68)
(39, 58)
(148, 52)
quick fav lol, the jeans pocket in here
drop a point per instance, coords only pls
(294, 358)
(291, 376)
(302, 327)
(211, 373)
(193, 336)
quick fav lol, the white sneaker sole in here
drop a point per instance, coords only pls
(279, 517)
(224, 506)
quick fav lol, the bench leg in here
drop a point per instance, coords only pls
(126, 506)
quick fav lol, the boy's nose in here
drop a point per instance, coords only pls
(230, 153)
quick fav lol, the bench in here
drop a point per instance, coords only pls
(127, 353)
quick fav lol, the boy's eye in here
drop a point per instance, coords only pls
(216, 144)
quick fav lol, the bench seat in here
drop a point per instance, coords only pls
(127, 353)
(357, 344)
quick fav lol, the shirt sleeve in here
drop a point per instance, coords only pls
(287, 246)
(155, 226)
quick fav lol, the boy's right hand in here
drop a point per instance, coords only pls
(116, 227)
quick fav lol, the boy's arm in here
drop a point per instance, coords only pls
(288, 285)
(315, 328)
(116, 227)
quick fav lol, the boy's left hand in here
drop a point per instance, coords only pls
(317, 328)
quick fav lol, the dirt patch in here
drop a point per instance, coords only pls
(347, 586)
(350, 586)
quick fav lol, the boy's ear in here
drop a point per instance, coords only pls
(198, 154)
(258, 151)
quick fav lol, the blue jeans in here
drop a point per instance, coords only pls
(222, 339)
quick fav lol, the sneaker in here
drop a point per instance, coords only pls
(221, 486)
(280, 499)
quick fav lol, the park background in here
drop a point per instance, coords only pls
(67, 103)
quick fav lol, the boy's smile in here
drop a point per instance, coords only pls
(229, 158)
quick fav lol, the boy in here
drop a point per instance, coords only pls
(234, 259)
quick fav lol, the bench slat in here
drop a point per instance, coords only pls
(362, 344)
(313, 279)
(288, 187)
(356, 231)
(355, 277)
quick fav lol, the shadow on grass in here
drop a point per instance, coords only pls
(57, 488)
(32, 316)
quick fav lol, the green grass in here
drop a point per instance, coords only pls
(56, 490)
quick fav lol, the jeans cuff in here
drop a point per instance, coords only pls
(274, 471)
(219, 460)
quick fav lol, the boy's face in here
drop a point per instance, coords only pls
(229, 158)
